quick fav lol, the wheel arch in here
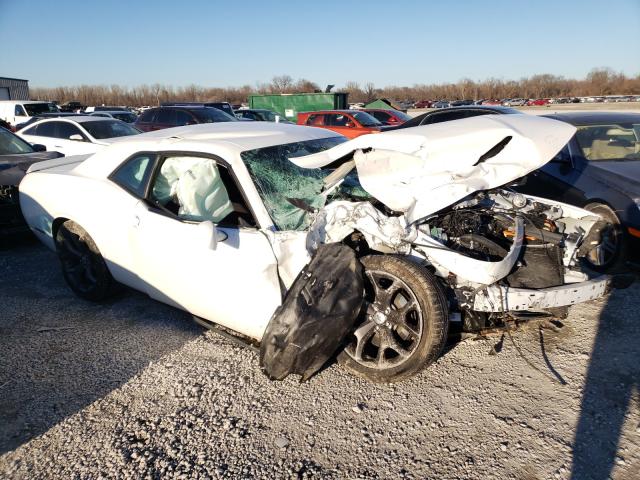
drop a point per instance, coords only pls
(57, 222)
(601, 201)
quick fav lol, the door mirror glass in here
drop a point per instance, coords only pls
(563, 156)
(208, 235)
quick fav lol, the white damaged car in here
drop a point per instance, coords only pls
(313, 246)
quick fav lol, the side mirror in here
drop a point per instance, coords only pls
(37, 147)
(76, 137)
(209, 235)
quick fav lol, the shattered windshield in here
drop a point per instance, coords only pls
(291, 193)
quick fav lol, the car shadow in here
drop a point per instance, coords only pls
(612, 380)
(60, 353)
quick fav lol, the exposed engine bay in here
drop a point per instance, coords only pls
(490, 243)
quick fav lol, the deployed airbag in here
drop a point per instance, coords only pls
(195, 184)
(316, 315)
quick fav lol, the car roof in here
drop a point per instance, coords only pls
(225, 139)
(24, 101)
(494, 108)
(594, 117)
(182, 107)
(334, 111)
(76, 119)
(378, 110)
(56, 114)
(120, 112)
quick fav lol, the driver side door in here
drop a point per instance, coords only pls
(225, 272)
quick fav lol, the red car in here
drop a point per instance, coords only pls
(387, 117)
(423, 104)
(538, 102)
(350, 123)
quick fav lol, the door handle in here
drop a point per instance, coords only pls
(136, 221)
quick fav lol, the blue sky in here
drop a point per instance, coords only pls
(243, 42)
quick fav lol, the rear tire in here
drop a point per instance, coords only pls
(82, 264)
(609, 255)
(404, 325)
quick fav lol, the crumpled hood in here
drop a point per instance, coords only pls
(424, 169)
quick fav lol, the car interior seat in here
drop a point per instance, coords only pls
(605, 147)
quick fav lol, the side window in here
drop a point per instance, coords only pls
(381, 116)
(166, 116)
(147, 116)
(132, 174)
(31, 131)
(183, 118)
(66, 130)
(47, 129)
(339, 120)
(199, 189)
(316, 120)
(19, 111)
(446, 116)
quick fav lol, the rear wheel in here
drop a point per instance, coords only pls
(405, 323)
(83, 267)
(609, 254)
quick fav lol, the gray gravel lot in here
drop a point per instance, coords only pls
(134, 389)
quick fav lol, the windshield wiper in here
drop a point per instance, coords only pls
(301, 204)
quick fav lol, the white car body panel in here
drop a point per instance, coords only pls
(235, 281)
(177, 266)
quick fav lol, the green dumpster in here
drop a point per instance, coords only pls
(290, 104)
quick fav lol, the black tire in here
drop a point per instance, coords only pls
(83, 267)
(404, 324)
(609, 255)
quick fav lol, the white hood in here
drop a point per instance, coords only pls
(422, 170)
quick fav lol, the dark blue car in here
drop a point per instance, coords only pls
(599, 170)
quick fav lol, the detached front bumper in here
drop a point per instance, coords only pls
(505, 299)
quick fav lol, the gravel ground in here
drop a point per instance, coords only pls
(134, 389)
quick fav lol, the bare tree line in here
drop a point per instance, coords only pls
(600, 81)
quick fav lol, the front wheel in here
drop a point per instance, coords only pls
(405, 323)
(83, 267)
(609, 253)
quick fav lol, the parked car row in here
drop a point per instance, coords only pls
(520, 102)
